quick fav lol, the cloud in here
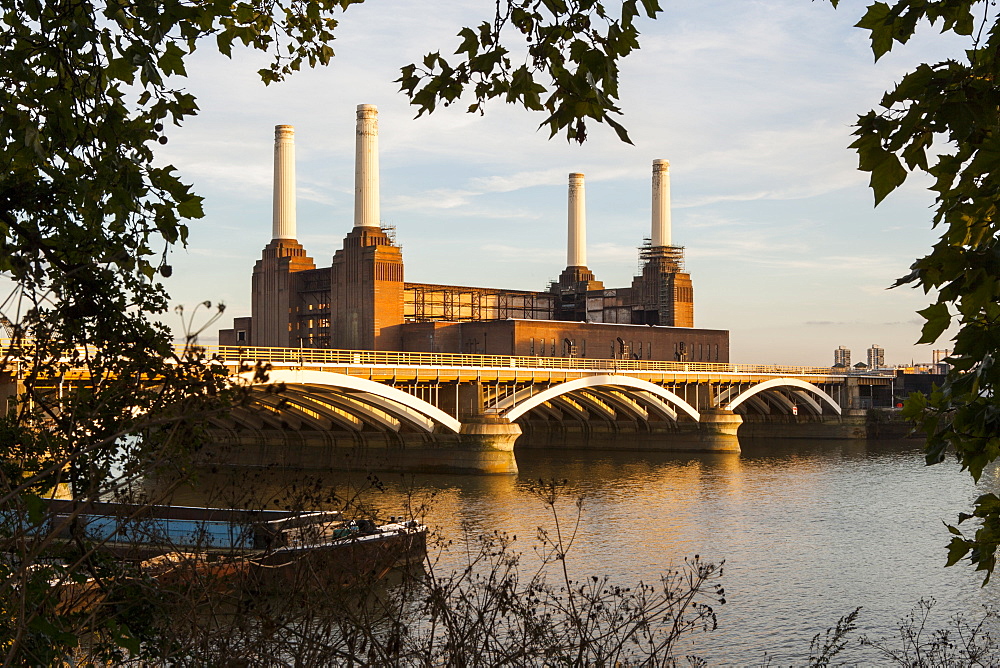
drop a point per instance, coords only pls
(505, 253)
(502, 183)
(856, 323)
(216, 253)
(320, 196)
(441, 198)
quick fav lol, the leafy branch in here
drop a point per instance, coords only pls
(567, 67)
(943, 120)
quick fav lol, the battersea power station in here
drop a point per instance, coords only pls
(363, 300)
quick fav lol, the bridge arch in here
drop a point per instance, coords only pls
(512, 411)
(785, 382)
(808, 401)
(407, 406)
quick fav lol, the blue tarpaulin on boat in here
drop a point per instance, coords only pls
(186, 534)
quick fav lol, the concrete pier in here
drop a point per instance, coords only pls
(717, 431)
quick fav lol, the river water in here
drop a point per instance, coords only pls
(809, 530)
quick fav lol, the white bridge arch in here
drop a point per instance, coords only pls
(512, 407)
(775, 383)
(309, 400)
(385, 397)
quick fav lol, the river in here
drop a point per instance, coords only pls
(808, 530)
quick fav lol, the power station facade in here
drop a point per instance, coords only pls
(362, 302)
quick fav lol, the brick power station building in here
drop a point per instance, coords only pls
(362, 302)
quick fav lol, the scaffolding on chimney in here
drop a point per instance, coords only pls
(658, 267)
(670, 258)
(390, 231)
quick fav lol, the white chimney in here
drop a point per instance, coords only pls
(661, 203)
(576, 248)
(366, 206)
(283, 217)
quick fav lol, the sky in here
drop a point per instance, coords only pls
(752, 102)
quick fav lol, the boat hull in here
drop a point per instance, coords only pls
(251, 548)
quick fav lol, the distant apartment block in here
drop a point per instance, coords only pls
(876, 357)
(842, 356)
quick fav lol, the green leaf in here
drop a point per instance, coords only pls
(877, 21)
(470, 42)
(957, 548)
(937, 318)
(191, 207)
(652, 8)
(620, 130)
(172, 60)
(35, 506)
(887, 175)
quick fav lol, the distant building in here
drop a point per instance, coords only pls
(907, 383)
(938, 361)
(842, 356)
(876, 357)
(362, 302)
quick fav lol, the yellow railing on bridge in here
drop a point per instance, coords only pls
(304, 356)
(318, 356)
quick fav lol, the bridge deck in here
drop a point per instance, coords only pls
(311, 356)
(403, 373)
(449, 367)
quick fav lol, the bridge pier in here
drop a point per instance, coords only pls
(716, 433)
(717, 430)
(487, 440)
(488, 444)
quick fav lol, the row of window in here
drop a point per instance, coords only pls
(701, 352)
(551, 348)
(310, 324)
(322, 306)
(689, 353)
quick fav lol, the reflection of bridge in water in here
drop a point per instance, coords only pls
(430, 411)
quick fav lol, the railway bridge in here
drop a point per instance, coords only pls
(463, 413)
(361, 409)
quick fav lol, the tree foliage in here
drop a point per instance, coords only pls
(87, 216)
(568, 67)
(88, 90)
(943, 120)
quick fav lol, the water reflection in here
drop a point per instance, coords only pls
(809, 529)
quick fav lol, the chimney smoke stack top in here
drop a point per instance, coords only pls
(366, 186)
(576, 247)
(283, 198)
(661, 203)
